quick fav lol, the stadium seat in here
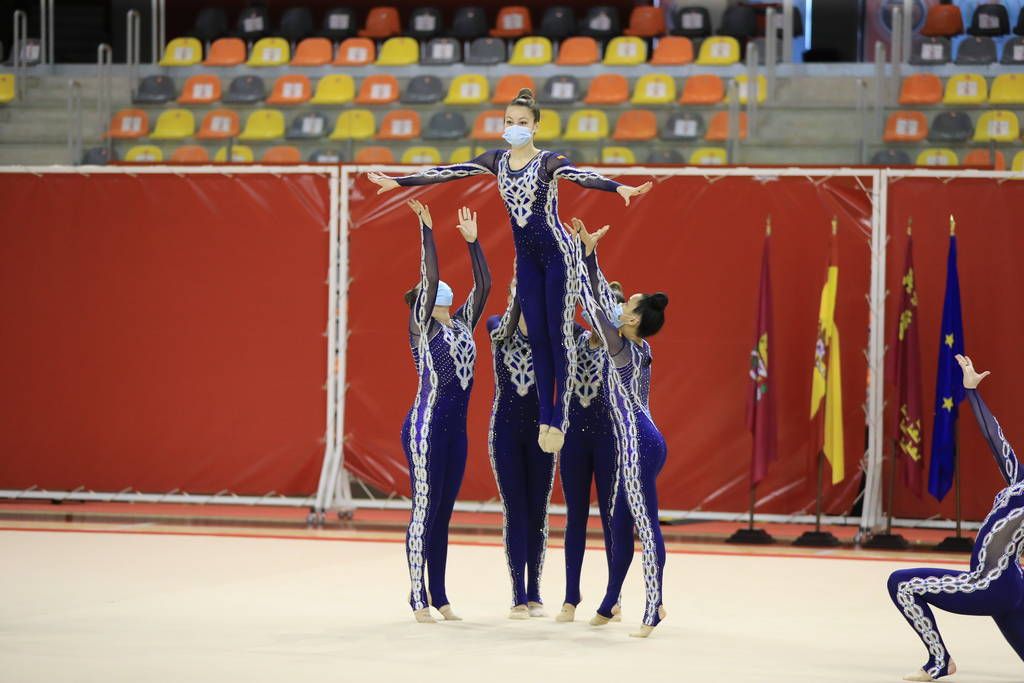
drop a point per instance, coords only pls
(355, 52)
(709, 156)
(211, 23)
(400, 51)
(308, 126)
(718, 127)
(7, 89)
(1013, 50)
(263, 124)
(989, 20)
(446, 125)
(291, 89)
(966, 89)
(313, 52)
(174, 124)
(683, 127)
(617, 155)
(943, 20)
(625, 51)
(469, 23)
(937, 156)
(98, 156)
(1018, 162)
(378, 89)
(461, 155)
(665, 156)
(976, 50)
(654, 89)
(468, 89)
(374, 155)
(739, 21)
(129, 124)
(509, 86)
(743, 88)
(719, 51)
(532, 51)
(672, 51)
(325, 156)
(931, 51)
(219, 124)
(636, 125)
(334, 89)
(921, 89)
(512, 22)
(601, 22)
(1007, 89)
(562, 89)
(486, 52)
(607, 89)
(281, 154)
(905, 126)
(558, 23)
(443, 51)
(981, 158)
(951, 126)
(424, 23)
(226, 52)
(702, 89)
(381, 23)
(182, 52)
(578, 51)
(270, 52)
(245, 90)
(190, 154)
(646, 22)
(489, 125)
(587, 125)
(423, 90)
(154, 90)
(200, 89)
(296, 24)
(691, 22)
(354, 124)
(997, 126)
(890, 157)
(144, 154)
(422, 155)
(399, 124)
(550, 126)
(339, 24)
(240, 154)
(252, 23)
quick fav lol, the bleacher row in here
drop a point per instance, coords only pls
(986, 39)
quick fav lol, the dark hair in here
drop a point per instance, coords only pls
(526, 99)
(410, 296)
(616, 287)
(651, 309)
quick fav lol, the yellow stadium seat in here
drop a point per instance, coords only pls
(240, 154)
(625, 51)
(263, 124)
(654, 89)
(587, 125)
(174, 124)
(937, 156)
(1000, 125)
(468, 89)
(461, 155)
(421, 155)
(966, 89)
(617, 155)
(354, 124)
(719, 51)
(7, 89)
(1007, 89)
(144, 154)
(709, 156)
(182, 52)
(550, 126)
(399, 52)
(1018, 161)
(334, 89)
(743, 88)
(532, 51)
(270, 52)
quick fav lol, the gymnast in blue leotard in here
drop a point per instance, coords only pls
(993, 586)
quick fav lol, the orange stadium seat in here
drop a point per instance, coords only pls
(313, 52)
(646, 22)
(673, 51)
(607, 89)
(129, 124)
(943, 20)
(718, 127)
(381, 22)
(291, 89)
(636, 125)
(906, 126)
(219, 124)
(578, 51)
(921, 89)
(400, 124)
(200, 89)
(378, 89)
(489, 125)
(226, 52)
(190, 154)
(981, 158)
(702, 90)
(512, 22)
(509, 86)
(282, 154)
(374, 155)
(356, 52)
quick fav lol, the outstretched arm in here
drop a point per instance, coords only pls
(606, 317)
(1006, 459)
(559, 166)
(477, 299)
(422, 309)
(505, 326)
(485, 163)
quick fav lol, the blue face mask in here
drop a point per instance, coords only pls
(445, 296)
(617, 320)
(517, 136)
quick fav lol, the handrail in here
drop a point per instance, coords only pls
(733, 136)
(752, 89)
(896, 56)
(881, 89)
(157, 34)
(74, 122)
(20, 38)
(132, 44)
(771, 44)
(104, 84)
(51, 41)
(787, 31)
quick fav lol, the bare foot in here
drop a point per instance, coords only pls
(535, 609)
(448, 614)
(646, 630)
(567, 614)
(519, 612)
(423, 616)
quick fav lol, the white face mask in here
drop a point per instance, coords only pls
(517, 136)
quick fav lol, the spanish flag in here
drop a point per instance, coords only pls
(826, 378)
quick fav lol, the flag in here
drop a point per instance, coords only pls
(826, 377)
(907, 375)
(949, 384)
(761, 404)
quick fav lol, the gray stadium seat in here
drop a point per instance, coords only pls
(296, 23)
(154, 90)
(890, 157)
(558, 23)
(975, 50)
(486, 52)
(601, 23)
(423, 90)
(339, 24)
(931, 51)
(440, 51)
(98, 156)
(665, 156)
(683, 126)
(989, 20)
(308, 126)
(252, 23)
(325, 156)
(245, 90)
(469, 23)
(211, 23)
(692, 22)
(1013, 50)
(424, 23)
(951, 126)
(446, 125)
(561, 89)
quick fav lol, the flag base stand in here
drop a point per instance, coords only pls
(887, 542)
(956, 544)
(817, 539)
(747, 536)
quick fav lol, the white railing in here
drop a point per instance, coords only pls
(104, 84)
(17, 51)
(74, 122)
(157, 33)
(133, 24)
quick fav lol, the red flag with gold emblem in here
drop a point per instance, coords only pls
(907, 376)
(761, 404)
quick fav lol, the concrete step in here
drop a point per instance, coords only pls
(835, 91)
(33, 154)
(34, 132)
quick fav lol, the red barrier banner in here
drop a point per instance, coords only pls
(164, 331)
(699, 239)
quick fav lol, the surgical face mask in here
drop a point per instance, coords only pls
(445, 296)
(618, 315)
(517, 136)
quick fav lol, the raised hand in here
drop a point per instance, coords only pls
(972, 378)
(627, 192)
(421, 211)
(467, 224)
(387, 183)
(588, 239)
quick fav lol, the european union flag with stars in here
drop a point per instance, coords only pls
(949, 384)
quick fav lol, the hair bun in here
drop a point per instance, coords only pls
(659, 301)
(525, 94)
